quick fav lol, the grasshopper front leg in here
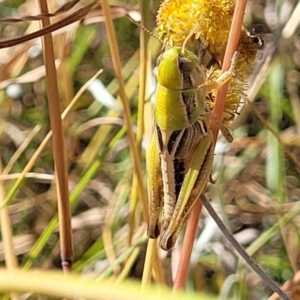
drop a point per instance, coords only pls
(194, 182)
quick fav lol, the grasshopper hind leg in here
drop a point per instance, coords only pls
(193, 185)
(155, 188)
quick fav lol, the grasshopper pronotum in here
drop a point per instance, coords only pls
(181, 153)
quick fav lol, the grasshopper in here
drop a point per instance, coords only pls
(181, 153)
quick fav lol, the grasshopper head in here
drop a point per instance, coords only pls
(177, 70)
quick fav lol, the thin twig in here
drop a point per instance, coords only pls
(187, 247)
(271, 284)
(233, 40)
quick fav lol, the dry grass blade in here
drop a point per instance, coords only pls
(64, 212)
(291, 286)
(116, 11)
(39, 17)
(20, 150)
(144, 58)
(76, 16)
(7, 236)
(127, 118)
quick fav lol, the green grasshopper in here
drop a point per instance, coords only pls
(181, 153)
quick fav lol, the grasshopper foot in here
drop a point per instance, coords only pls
(168, 241)
(153, 231)
(211, 180)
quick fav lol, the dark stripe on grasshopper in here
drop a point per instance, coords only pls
(160, 142)
(179, 168)
(187, 80)
(179, 173)
(192, 76)
(193, 100)
(182, 141)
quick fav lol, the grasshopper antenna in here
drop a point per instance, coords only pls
(186, 40)
(145, 29)
(190, 35)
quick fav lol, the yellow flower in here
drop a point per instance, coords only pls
(209, 22)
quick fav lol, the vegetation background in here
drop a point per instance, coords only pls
(257, 189)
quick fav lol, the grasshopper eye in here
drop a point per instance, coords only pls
(185, 65)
